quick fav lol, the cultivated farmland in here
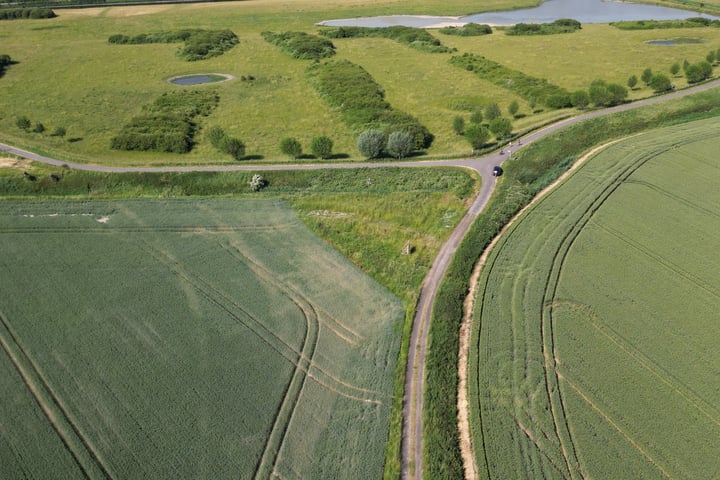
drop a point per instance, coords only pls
(188, 339)
(593, 352)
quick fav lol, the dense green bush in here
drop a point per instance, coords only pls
(417, 38)
(361, 101)
(371, 143)
(5, 61)
(301, 45)
(697, 72)
(528, 87)
(167, 125)
(400, 144)
(653, 24)
(26, 13)
(291, 147)
(467, 30)
(563, 25)
(321, 147)
(199, 44)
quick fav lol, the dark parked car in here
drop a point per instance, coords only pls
(497, 171)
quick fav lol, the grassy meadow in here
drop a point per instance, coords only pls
(95, 87)
(190, 338)
(592, 350)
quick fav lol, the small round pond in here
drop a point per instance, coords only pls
(199, 78)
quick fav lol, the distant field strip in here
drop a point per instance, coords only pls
(533, 339)
(190, 339)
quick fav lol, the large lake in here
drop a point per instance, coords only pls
(585, 11)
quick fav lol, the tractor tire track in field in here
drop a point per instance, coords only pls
(302, 360)
(77, 445)
(688, 394)
(615, 426)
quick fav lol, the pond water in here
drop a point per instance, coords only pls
(199, 79)
(585, 11)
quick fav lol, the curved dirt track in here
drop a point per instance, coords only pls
(412, 445)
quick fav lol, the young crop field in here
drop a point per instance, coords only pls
(593, 350)
(95, 86)
(188, 339)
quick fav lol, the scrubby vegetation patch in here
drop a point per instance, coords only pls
(199, 44)
(351, 89)
(26, 13)
(467, 30)
(301, 45)
(417, 38)
(167, 125)
(562, 25)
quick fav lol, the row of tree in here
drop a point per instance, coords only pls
(24, 123)
(26, 13)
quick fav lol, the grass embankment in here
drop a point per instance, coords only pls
(535, 167)
(96, 86)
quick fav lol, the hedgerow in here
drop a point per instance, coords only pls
(417, 38)
(301, 45)
(361, 101)
(563, 25)
(530, 88)
(168, 125)
(199, 44)
(693, 22)
(467, 30)
(25, 13)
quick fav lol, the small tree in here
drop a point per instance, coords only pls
(400, 144)
(660, 83)
(580, 99)
(674, 69)
(501, 127)
(476, 117)
(646, 76)
(458, 124)
(632, 81)
(477, 135)
(257, 183)
(513, 108)
(371, 143)
(710, 57)
(492, 111)
(232, 146)
(215, 135)
(291, 147)
(23, 122)
(321, 147)
(59, 132)
(39, 128)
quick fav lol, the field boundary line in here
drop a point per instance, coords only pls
(610, 421)
(51, 406)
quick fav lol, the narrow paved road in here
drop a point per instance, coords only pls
(412, 445)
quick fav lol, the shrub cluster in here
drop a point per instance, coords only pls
(656, 24)
(562, 25)
(168, 125)
(26, 13)
(361, 101)
(417, 38)
(527, 87)
(5, 61)
(301, 45)
(199, 44)
(24, 123)
(467, 30)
